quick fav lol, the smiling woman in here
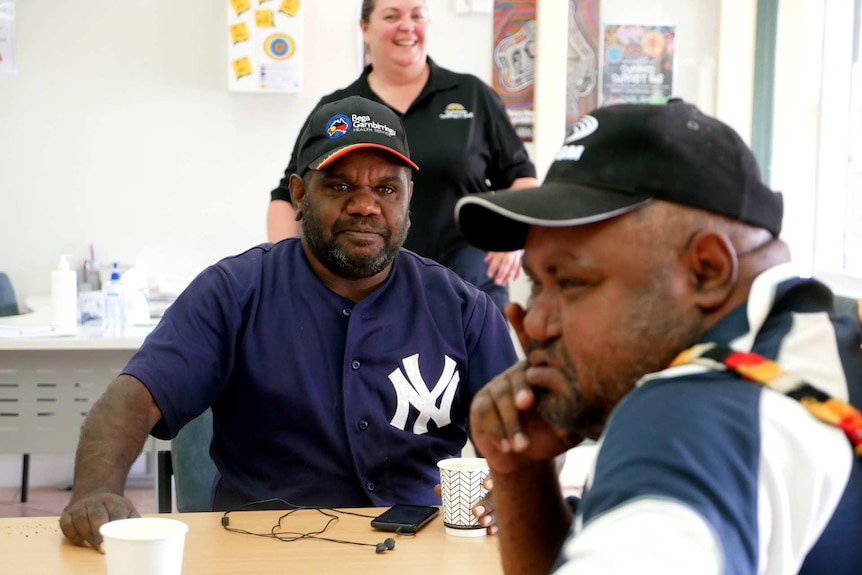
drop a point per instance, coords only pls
(459, 133)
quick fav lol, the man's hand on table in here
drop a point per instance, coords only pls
(82, 518)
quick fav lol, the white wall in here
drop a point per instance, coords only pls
(119, 129)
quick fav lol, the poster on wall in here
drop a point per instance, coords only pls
(265, 45)
(637, 63)
(582, 79)
(513, 72)
(513, 76)
(8, 65)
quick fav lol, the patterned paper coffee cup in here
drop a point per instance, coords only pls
(461, 481)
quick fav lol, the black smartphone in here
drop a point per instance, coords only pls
(405, 518)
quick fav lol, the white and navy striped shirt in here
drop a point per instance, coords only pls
(701, 472)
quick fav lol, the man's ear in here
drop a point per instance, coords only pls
(713, 268)
(297, 194)
(515, 314)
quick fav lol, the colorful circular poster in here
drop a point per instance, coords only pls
(279, 46)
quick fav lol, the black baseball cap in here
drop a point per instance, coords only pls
(339, 127)
(619, 158)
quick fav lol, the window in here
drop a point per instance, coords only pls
(837, 244)
(816, 159)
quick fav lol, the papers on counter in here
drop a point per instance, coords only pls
(15, 331)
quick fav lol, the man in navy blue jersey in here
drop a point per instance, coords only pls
(339, 367)
(664, 321)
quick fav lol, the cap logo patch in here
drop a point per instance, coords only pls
(456, 111)
(366, 124)
(583, 128)
(570, 153)
(337, 126)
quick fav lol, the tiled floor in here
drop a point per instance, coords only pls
(50, 501)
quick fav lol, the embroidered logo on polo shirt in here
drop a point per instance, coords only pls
(456, 111)
(433, 404)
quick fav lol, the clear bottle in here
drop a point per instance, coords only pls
(115, 306)
(64, 297)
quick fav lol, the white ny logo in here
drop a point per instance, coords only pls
(412, 390)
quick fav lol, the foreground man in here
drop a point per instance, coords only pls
(664, 321)
(339, 367)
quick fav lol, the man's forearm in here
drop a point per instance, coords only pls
(532, 516)
(112, 437)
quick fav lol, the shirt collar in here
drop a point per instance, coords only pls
(439, 79)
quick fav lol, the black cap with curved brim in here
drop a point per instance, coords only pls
(618, 159)
(338, 128)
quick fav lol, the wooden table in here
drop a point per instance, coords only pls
(36, 546)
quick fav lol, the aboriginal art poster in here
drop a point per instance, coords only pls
(637, 63)
(582, 78)
(513, 74)
(265, 45)
(514, 54)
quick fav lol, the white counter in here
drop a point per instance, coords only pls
(84, 338)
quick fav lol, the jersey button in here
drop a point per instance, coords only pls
(363, 425)
(346, 312)
(370, 486)
(355, 364)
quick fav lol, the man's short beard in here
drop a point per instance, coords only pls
(654, 335)
(338, 260)
(569, 412)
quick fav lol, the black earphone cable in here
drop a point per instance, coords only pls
(277, 532)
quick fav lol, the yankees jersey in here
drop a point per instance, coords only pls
(700, 471)
(316, 399)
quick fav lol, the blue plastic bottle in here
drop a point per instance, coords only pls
(115, 306)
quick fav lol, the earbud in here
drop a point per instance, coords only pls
(386, 545)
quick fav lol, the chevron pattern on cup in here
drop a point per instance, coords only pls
(461, 489)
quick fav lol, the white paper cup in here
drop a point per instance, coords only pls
(461, 481)
(144, 546)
